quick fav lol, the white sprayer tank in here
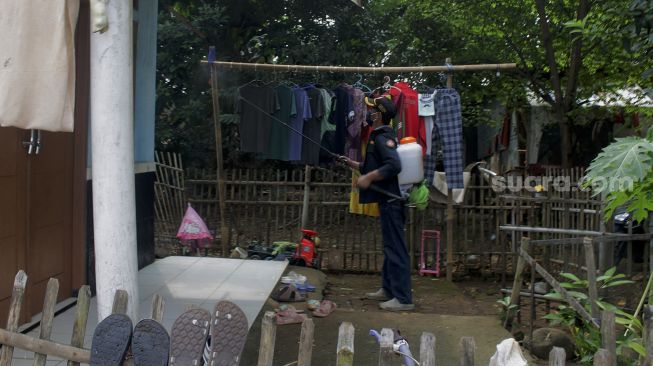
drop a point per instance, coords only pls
(412, 165)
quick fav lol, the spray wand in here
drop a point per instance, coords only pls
(400, 347)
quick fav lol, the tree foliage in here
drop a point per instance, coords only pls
(606, 49)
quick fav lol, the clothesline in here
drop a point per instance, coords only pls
(361, 69)
(448, 68)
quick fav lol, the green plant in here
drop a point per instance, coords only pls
(586, 336)
(506, 307)
(623, 172)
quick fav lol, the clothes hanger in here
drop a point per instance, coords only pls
(359, 84)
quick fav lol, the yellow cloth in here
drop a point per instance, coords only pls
(355, 207)
(37, 64)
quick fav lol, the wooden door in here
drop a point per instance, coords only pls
(12, 213)
(36, 200)
(50, 202)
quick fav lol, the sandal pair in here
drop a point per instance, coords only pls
(113, 337)
(218, 339)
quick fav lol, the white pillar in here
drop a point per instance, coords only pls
(112, 147)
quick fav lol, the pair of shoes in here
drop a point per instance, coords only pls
(227, 327)
(395, 305)
(113, 337)
(379, 295)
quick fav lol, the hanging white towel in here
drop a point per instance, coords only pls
(37, 64)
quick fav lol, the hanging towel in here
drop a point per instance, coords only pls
(448, 120)
(37, 64)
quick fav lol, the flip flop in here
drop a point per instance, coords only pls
(229, 329)
(289, 316)
(326, 308)
(111, 340)
(188, 336)
(150, 344)
(288, 293)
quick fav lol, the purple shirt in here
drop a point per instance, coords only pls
(303, 113)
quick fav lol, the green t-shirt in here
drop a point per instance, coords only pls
(278, 146)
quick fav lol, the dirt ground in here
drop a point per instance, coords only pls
(448, 310)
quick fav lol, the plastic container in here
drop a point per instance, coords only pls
(412, 165)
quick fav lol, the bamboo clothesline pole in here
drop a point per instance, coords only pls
(448, 68)
(361, 69)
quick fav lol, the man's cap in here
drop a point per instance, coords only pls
(384, 104)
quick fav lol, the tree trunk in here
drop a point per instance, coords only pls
(563, 103)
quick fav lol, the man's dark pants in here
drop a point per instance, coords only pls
(396, 262)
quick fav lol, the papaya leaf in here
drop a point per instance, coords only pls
(626, 158)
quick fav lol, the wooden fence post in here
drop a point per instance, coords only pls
(81, 318)
(306, 343)
(120, 302)
(602, 358)
(590, 263)
(516, 283)
(467, 349)
(608, 336)
(158, 307)
(385, 347)
(47, 317)
(14, 314)
(345, 345)
(427, 350)
(268, 339)
(648, 334)
(557, 357)
(307, 195)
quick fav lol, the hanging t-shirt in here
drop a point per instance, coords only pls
(426, 105)
(412, 123)
(280, 133)
(344, 106)
(303, 113)
(329, 105)
(312, 128)
(255, 104)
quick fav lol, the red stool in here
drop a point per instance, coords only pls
(430, 234)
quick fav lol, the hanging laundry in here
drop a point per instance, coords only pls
(412, 123)
(355, 207)
(426, 106)
(255, 104)
(313, 128)
(355, 125)
(449, 128)
(37, 64)
(280, 134)
(303, 114)
(329, 105)
(344, 108)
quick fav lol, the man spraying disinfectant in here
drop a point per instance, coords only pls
(381, 167)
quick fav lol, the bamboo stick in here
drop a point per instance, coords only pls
(356, 69)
